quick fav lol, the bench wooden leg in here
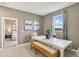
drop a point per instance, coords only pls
(35, 51)
(31, 47)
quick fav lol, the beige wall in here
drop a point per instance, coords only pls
(46, 22)
(73, 23)
(21, 16)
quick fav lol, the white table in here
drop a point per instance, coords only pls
(56, 43)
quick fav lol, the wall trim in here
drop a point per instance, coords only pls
(74, 50)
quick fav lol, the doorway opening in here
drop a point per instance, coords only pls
(9, 32)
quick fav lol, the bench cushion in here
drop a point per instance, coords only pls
(44, 49)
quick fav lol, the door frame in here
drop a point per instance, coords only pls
(3, 29)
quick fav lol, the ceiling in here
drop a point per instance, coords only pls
(39, 8)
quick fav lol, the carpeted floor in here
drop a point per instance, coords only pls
(68, 53)
(25, 50)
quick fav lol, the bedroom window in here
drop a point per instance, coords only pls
(58, 24)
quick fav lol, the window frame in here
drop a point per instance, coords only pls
(53, 29)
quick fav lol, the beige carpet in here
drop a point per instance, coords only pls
(68, 53)
(17, 51)
(9, 43)
(24, 50)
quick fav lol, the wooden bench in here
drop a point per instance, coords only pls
(44, 49)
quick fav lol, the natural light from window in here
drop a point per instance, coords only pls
(58, 25)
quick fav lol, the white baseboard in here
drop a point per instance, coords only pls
(22, 44)
(74, 50)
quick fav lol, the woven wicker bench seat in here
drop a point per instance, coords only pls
(45, 50)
